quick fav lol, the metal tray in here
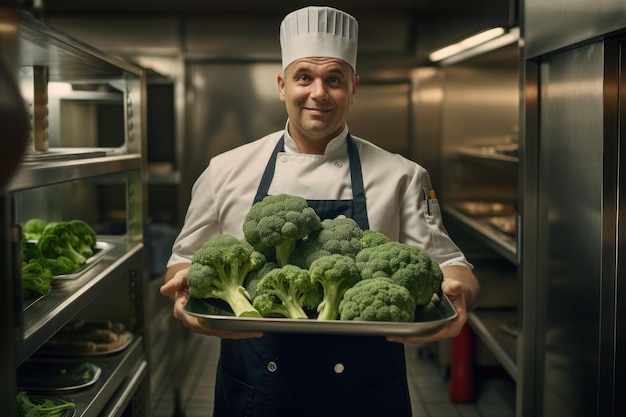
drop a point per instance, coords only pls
(429, 319)
(73, 351)
(101, 249)
(46, 375)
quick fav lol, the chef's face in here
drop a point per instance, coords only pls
(318, 93)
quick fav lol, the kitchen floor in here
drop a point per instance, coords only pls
(428, 383)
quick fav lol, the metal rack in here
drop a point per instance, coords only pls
(95, 170)
(481, 167)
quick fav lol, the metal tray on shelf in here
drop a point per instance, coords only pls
(485, 208)
(101, 249)
(428, 320)
(54, 375)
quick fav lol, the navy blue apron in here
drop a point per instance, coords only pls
(302, 375)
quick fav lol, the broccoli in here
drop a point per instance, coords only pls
(283, 291)
(277, 222)
(61, 265)
(218, 270)
(372, 238)
(312, 300)
(30, 250)
(59, 243)
(48, 408)
(87, 238)
(405, 265)
(336, 273)
(33, 228)
(377, 299)
(36, 279)
(254, 277)
(340, 235)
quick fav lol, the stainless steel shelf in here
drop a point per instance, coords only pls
(490, 156)
(503, 244)
(489, 325)
(40, 174)
(117, 369)
(66, 57)
(46, 316)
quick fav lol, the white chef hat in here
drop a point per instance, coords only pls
(319, 32)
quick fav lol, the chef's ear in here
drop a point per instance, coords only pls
(355, 84)
(281, 85)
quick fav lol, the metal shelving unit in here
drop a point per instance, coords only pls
(480, 199)
(100, 175)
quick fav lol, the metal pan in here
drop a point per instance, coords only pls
(428, 320)
(47, 375)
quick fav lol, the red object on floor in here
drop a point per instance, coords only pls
(462, 371)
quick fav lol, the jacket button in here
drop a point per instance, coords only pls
(283, 158)
(271, 366)
(338, 368)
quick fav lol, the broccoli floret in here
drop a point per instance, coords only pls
(87, 238)
(340, 235)
(218, 270)
(61, 265)
(254, 277)
(377, 299)
(405, 265)
(36, 279)
(372, 238)
(336, 273)
(33, 228)
(30, 250)
(58, 242)
(283, 291)
(278, 222)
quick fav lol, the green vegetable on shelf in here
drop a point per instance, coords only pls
(47, 408)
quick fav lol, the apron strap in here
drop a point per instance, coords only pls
(356, 176)
(358, 190)
(268, 174)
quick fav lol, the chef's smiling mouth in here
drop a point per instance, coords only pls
(317, 110)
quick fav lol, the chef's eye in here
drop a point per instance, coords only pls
(303, 78)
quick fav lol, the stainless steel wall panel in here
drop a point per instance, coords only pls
(553, 24)
(124, 35)
(241, 37)
(570, 230)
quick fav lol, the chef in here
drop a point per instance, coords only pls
(316, 157)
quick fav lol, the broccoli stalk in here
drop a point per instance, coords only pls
(284, 291)
(336, 273)
(219, 269)
(55, 245)
(85, 235)
(278, 222)
(27, 408)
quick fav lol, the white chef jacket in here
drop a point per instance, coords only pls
(395, 191)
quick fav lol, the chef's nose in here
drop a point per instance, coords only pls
(318, 90)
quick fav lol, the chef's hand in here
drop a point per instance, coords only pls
(461, 294)
(176, 287)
